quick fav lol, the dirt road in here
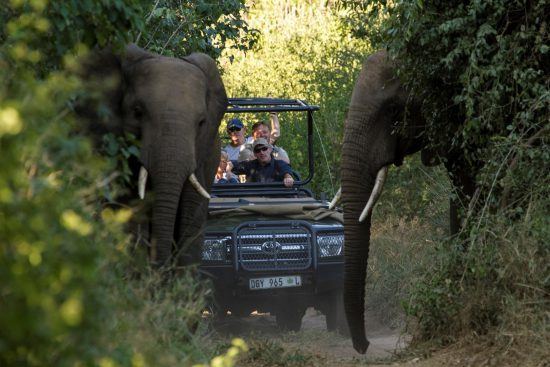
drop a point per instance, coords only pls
(313, 343)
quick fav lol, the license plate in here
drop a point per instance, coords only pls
(276, 282)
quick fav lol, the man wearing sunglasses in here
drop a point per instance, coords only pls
(262, 130)
(264, 168)
(236, 131)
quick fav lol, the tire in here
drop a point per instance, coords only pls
(290, 318)
(335, 314)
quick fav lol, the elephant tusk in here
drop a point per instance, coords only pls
(196, 184)
(336, 199)
(375, 194)
(142, 182)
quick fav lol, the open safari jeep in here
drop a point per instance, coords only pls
(269, 248)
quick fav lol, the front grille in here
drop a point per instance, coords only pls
(274, 248)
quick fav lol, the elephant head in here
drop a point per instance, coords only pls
(371, 143)
(174, 107)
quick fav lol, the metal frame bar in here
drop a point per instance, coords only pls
(243, 105)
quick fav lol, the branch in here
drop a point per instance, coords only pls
(514, 162)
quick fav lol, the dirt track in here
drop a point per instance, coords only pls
(326, 349)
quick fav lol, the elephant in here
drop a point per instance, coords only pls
(371, 143)
(174, 107)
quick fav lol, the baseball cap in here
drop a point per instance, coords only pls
(235, 122)
(260, 142)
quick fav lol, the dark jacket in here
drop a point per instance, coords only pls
(273, 172)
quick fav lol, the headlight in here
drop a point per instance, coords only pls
(330, 245)
(215, 249)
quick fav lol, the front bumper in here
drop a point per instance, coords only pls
(232, 288)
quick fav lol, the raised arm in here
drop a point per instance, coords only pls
(275, 127)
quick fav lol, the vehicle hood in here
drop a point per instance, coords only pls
(315, 213)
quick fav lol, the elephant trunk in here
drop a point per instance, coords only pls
(365, 151)
(171, 164)
(356, 254)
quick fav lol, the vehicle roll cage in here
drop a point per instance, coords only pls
(250, 105)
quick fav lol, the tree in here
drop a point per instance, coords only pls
(179, 27)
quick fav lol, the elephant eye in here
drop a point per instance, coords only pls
(138, 112)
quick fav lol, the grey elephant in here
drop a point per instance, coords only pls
(174, 107)
(371, 143)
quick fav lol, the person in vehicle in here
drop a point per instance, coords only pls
(246, 155)
(264, 168)
(224, 174)
(262, 130)
(236, 130)
(271, 134)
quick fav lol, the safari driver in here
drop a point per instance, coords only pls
(264, 168)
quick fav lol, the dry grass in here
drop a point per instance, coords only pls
(399, 251)
(483, 306)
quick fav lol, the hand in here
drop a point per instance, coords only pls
(229, 166)
(288, 181)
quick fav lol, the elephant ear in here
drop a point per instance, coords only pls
(216, 98)
(99, 105)
(102, 73)
(134, 54)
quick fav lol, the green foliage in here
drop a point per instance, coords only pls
(53, 251)
(160, 319)
(499, 283)
(119, 150)
(179, 27)
(302, 53)
(56, 27)
(413, 191)
(68, 296)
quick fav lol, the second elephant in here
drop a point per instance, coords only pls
(372, 143)
(174, 107)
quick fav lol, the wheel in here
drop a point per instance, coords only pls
(290, 318)
(335, 315)
(217, 313)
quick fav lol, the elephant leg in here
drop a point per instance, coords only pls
(190, 232)
(454, 220)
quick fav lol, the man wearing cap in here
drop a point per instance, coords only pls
(262, 130)
(264, 168)
(236, 131)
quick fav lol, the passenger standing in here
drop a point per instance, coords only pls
(262, 130)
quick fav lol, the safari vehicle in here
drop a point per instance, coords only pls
(269, 248)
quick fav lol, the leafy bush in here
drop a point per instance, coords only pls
(68, 296)
(54, 301)
(177, 28)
